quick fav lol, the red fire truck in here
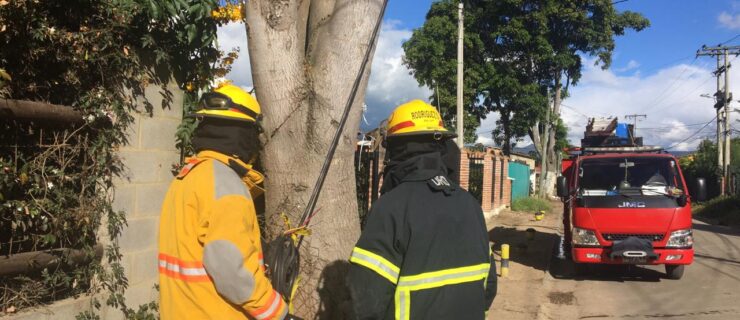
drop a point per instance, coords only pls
(625, 203)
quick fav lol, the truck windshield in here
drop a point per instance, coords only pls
(629, 176)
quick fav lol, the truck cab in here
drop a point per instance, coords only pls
(626, 205)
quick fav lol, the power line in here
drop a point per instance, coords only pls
(575, 110)
(669, 87)
(733, 38)
(673, 126)
(692, 135)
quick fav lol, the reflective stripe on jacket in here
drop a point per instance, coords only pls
(424, 252)
(210, 255)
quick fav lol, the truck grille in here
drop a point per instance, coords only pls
(622, 236)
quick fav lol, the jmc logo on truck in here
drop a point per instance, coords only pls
(625, 203)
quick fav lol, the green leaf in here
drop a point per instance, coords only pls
(191, 32)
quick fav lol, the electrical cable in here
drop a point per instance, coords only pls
(657, 98)
(282, 258)
(692, 135)
(732, 39)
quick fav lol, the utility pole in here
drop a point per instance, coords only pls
(723, 98)
(634, 118)
(727, 128)
(720, 125)
(460, 111)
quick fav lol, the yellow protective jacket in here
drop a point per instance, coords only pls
(210, 256)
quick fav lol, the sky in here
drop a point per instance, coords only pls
(654, 72)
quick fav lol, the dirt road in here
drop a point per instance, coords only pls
(541, 286)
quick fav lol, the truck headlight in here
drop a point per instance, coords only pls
(680, 239)
(583, 237)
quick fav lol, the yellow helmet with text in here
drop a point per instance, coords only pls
(229, 102)
(416, 117)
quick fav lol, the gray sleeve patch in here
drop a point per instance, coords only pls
(224, 263)
(227, 182)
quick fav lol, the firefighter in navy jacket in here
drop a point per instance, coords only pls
(424, 252)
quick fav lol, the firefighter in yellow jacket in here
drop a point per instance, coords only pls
(210, 255)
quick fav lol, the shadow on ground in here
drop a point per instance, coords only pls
(563, 268)
(334, 293)
(534, 253)
(710, 227)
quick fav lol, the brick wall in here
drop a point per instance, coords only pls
(496, 188)
(506, 197)
(148, 157)
(487, 190)
(464, 169)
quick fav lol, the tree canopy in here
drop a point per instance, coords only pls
(516, 51)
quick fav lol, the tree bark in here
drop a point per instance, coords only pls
(305, 56)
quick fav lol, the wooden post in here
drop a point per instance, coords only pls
(29, 262)
(32, 110)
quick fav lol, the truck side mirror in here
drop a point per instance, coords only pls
(561, 185)
(701, 189)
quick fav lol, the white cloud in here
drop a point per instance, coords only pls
(729, 21)
(231, 36)
(669, 97)
(632, 64)
(390, 82)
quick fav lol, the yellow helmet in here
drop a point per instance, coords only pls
(230, 102)
(416, 117)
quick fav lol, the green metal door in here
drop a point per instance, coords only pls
(520, 184)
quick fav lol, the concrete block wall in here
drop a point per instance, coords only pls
(148, 158)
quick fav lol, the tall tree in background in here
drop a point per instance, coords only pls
(558, 32)
(516, 51)
(305, 56)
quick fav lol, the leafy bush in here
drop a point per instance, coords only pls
(725, 210)
(56, 180)
(530, 204)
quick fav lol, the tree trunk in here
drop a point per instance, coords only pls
(552, 158)
(305, 56)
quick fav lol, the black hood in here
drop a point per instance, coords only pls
(239, 139)
(417, 168)
(410, 153)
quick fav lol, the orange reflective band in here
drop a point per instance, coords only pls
(190, 271)
(191, 163)
(400, 126)
(274, 309)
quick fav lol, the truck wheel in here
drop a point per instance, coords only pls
(581, 269)
(674, 272)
